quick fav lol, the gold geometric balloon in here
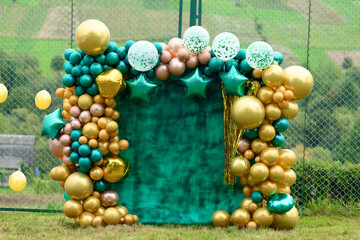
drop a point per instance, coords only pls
(110, 83)
(287, 220)
(299, 80)
(221, 219)
(114, 168)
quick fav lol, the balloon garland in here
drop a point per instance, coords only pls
(258, 101)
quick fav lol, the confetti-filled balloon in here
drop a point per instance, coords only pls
(196, 39)
(42, 99)
(259, 55)
(3, 93)
(17, 181)
(226, 46)
(143, 56)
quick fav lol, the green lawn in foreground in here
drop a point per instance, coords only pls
(39, 226)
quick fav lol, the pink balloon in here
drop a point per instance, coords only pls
(85, 117)
(204, 57)
(75, 111)
(67, 128)
(162, 72)
(174, 45)
(65, 140)
(66, 160)
(165, 56)
(183, 54)
(67, 150)
(56, 148)
(164, 46)
(208, 49)
(76, 124)
(176, 66)
(192, 62)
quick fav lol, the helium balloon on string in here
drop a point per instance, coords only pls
(17, 181)
(259, 55)
(3, 93)
(196, 39)
(143, 56)
(226, 46)
(42, 100)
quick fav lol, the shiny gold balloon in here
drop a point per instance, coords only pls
(265, 95)
(283, 189)
(268, 188)
(129, 219)
(247, 190)
(270, 156)
(17, 181)
(289, 178)
(267, 132)
(259, 172)
(276, 173)
(123, 210)
(85, 101)
(136, 218)
(249, 154)
(3, 93)
(104, 147)
(258, 145)
(287, 220)
(62, 172)
(272, 112)
(273, 76)
(251, 225)
(250, 181)
(263, 217)
(43, 99)
(240, 217)
(109, 198)
(114, 168)
(93, 37)
(100, 211)
(86, 219)
(299, 80)
(114, 148)
(90, 130)
(72, 209)
(96, 173)
(52, 174)
(287, 158)
(239, 166)
(221, 219)
(98, 221)
(291, 111)
(95, 194)
(248, 112)
(112, 216)
(249, 205)
(78, 186)
(91, 204)
(242, 180)
(110, 83)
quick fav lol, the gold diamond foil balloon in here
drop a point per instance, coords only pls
(110, 83)
(114, 169)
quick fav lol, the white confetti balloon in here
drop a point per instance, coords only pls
(196, 39)
(259, 55)
(226, 46)
(143, 56)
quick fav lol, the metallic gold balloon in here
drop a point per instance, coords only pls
(78, 186)
(17, 181)
(52, 174)
(98, 221)
(276, 173)
(100, 211)
(244, 145)
(114, 168)
(43, 99)
(72, 209)
(104, 147)
(265, 95)
(247, 190)
(136, 218)
(90, 130)
(287, 220)
(270, 156)
(273, 76)
(299, 80)
(248, 112)
(291, 111)
(251, 225)
(289, 178)
(96, 173)
(109, 198)
(259, 172)
(123, 210)
(129, 219)
(272, 112)
(91, 204)
(85, 101)
(258, 145)
(114, 148)
(95, 194)
(221, 219)
(250, 181)
(240, 217)
(268, 188)
(239, 166)
(249, 154)
(62, 172)
(287, 158)
(263, 217)
(92, 37)
(112, 216)
(267, 132)
(3, 93)
(283, 189)
(110, 83)
(249, 205)
(86, 219)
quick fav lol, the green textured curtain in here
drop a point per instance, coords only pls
(176, 156)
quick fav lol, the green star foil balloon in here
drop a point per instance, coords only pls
(52, 124)
(226, 46)
(143, 56)
(234, 82)
(280, 203)
(140, 88)
(196, 39)
(196, 84)
(259, 55)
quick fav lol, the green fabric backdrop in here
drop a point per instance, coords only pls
(176, 156)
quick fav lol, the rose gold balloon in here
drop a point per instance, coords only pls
(192, 62)
(67, 128)
(66, 150)
(76, 124)
(244, 145)
(65, 140)
(208, 49)
(204, 57)
(56, 148)
(176, 66)
(174, 45)
(165, 56)
(164, 46)
(97, 110)
(162, 72)
(85, 117)
(66, 160)
(184, 54)
(75, 111)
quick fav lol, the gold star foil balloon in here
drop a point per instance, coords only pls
(110, 83)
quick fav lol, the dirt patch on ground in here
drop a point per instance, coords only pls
(339, 56)
(23, 201)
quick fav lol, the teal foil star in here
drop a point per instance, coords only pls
(196, 84)
(234, 82)
(141, 88)
(52, 124)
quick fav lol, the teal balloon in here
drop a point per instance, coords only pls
(96, 155)
(68, 80)
(75, 135)
(134, 72)
(107, 67)
(88, 60)
(85, 69)
(74, 157)
(281, 125)
(76, 71)
(84, 150)
(278, 140)
(150, 73)
(81, 53)
(52, 124)
(234, 82)
(252, 134)
(66, 197)
(75, 58)
(216, 64)
(96, 68)
(86, 80)
(101, 59)
(83, 169)
(121, 52)
(122, 67)
(278, 57)
(280, 203)
(128, 44)
(112, 47)
(112, 58)
(140, 88)
(241, 54)
(245, 67)
(84, 162)
(93, 89)
(68, 67)
(230, 63)
(100, 185)
(75, 145)
(68, 52)
(196, 84)
(158, 46)
(257, 197)
(208, 72)
(79, 90)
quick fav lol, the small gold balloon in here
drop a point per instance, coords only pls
(276, 173)
(104, 147)
(114, 148)
(240, 218)
(96, 173)
(112, 216)
(287, 220)
(62, 172)
(249, 205)
(257, 73)
(249, 154)
(53, 173)
(78, 186)
(291, 111)
(90, 130)
(124, 144)
(98, 221)
(270, 156)
(136, 218)
(85, 101)
(112, 127)
(250, 181)
(72, 209)
(43, 99)
(259, 172)
(93, 143)
(299, 80)
(258, 145)
(267, 132)
(103, 135)
(268, 188)
(283, 189)
(109, 198)
(239, 166)
(251, 225)
(242, 180)
(289, 178)
(123, 210)
(17, 181)
(265, 95)
(258, 158)
(95, 194)
(3, 93)
(263, 217)
(273, 76)
(110, 83)
(278, 97)
(62, 184)
(248, 112)
(272, 112)
(129, 219)
(287, 158)
(91, 204)
(221, 219)
(100, 211)
(247, 190)
(86, 219)
(114, 168)
(93, 37)
(83, 140)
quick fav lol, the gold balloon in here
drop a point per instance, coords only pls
(239, 166)
(247, 190)
(92, 37)
(249, 154)
(98, 221)
(242, 180)
(78, 186)
(52, 174)
(270, 156)
(249, 205)
(100, 211)
(96, 173)
(62, 183)
(62, 172)
(129, 219)
(109, 198)
(3, 93)
(265, 95)
(291, 111)
(17, 181)
(283, 189)
(240, 217)
(299, 80)
(287, 158)
(72, 209)
(112, 216)
(251, 225)
(272, 112)
(114, 148)
(259, 172)
(289, 178)
(110, 83)
(258, 145)
(104, 147)
(268, 188)
(136, 218)
(91, 204)
(273, 76)
(221, 219)
(85, 101)
(95, 194)
(123, 210)
(267, 132)
(43, 99)
(276, 173)
(86, 219)
(287, 220)
(90, 130)
(263, 217)
(250, 181)
(114, 168)
(248, 112)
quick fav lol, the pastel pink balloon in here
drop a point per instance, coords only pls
(66, 160)
(67, 150)
(192, 62)
(85, 117)
(162, 72)
(204, 57)
(164, 46)
(56, 148)
(175, 44)
(76, 124)
(176, 66)
(75, 111)
(65, 140)
(67, 128)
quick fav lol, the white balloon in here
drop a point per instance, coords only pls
(226, 46)
(196, 39)
(143, 56)
(259, 55)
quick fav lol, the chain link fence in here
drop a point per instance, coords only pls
(322, 35)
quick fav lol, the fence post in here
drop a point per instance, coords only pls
(193, 4)
(180, 18)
